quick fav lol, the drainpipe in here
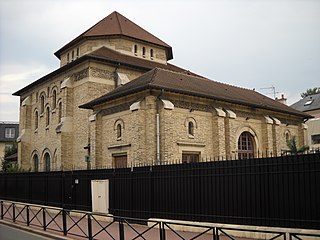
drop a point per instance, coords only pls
(158, 127)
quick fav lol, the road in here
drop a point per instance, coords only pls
(11, 233)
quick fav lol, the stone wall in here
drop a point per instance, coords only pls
(217, 127)
(122, 45)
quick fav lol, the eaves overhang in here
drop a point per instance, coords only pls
(92, 104)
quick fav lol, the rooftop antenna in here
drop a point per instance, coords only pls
(273, 88)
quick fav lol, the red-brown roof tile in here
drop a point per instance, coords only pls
(191, 85)
(117, 25)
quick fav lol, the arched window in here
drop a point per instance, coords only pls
(36, 120)
(72, 55)
(54, 99)
(135, 49)
(41, 104)
(245, 146)
(151, 53)
(119, 131)
(47, 162)
(191, 128)
(60, 112)
(48, 116)
(68, 58)
(287, 135)
(143, 51)
(35, 163)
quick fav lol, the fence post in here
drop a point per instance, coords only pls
(121, 230)
(13, 212)
(1, 209)
(89, 227)
(64, 222)
(28, 216)
(162, 231)
(44, 218)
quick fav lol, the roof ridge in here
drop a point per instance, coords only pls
(116, 13)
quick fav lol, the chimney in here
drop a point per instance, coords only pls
(282, 100)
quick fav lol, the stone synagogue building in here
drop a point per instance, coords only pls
(116, 101)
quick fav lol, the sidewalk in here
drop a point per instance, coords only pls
(102, 227)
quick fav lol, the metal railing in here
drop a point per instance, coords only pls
(89, 225)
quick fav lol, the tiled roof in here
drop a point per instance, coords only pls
(109, 56)
(191, 85)
(308, 103)
(117, 25)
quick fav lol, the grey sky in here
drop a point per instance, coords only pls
(247, 43)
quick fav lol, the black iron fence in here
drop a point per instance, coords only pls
(90, 225)
(280, 192)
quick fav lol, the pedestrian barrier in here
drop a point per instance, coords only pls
(89, 225)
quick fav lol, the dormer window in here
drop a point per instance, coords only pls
(135, 49)
(307, 103)
(143, 51)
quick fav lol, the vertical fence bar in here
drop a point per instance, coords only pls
(64, 222)
(89, 227)
(1, 209)
(121, 230)
(44, 219)
(28, 216)
(13, 212)
(162, 231)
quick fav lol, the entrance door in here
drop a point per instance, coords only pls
(245, 146)
(120, 161)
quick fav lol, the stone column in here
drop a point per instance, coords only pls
(24, 140)
(219, 139)
(267, 140)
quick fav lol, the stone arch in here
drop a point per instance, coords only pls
(35, 117)
(54, 92)
(287, 135)
(118, 127)
(35, 161)
(191, 124)
(46, 160)
(190, 119)
(42, 98)
(255, 140)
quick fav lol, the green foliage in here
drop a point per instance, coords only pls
(10, 151)
(292, 145)
(310, 91)
(8, 166)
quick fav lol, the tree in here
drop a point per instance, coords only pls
(310, 91)
(8, 166)
(292, 145)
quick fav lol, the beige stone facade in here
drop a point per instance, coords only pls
(218, 126)
(138, 128)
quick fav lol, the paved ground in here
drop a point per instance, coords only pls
(13, 233)
(102, 227)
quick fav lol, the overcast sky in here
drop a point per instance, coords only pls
(248, 43)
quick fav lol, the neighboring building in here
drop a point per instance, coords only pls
(196, 117)
(311, 105)
(9, 131)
